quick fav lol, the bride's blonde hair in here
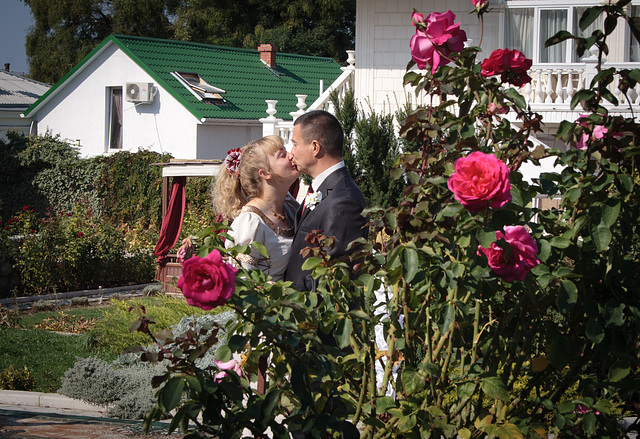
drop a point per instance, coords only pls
(232, 190)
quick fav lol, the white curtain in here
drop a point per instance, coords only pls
(551, 22)
(519, 30)
(115, 139)
(634, 46)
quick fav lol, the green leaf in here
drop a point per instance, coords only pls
(589, 423)
(618, 371)
(384, 403)
(447, 317)
(567, 296)
(516, 97)
(171, 394)
(594, 331)
(558, 351)
(560, 242)
(311, 263)
(261, 248)
(343, 331)
(601, 236)
(223, 353)
(486, 238)
(465, 389)
(610, 24)
(495, 388)
(561, 36)
(589, 16)
(626, 181)
(544, 249)
(582, 95)
(406, 423)
(610, 212)
(412, 382)
(410, 263)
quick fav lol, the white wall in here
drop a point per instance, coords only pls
(214, 140)
(79, 112)
(10, 120)
(383, 31)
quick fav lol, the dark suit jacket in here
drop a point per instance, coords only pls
(338, 214)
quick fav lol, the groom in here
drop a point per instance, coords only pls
(336, 204)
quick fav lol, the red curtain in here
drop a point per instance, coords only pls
(171, 222)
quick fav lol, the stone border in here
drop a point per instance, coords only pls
(25, 302)
(49, 400)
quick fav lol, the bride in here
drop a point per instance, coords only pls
(252, 190)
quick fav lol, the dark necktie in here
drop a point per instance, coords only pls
(304, 204)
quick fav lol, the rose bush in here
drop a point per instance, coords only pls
(207, 282)
(519, 260)
(459, 320)
(480, 180)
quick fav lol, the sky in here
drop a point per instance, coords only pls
(15, 21)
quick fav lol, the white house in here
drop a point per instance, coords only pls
(383, 31)
(190, 100)
(17, 93)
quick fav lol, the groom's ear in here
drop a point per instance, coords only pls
(316, 148)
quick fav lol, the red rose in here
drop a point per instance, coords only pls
(207, 282)
(80, 234)
(480, 180)
(523, 254)
(436, 37)
(511, 65)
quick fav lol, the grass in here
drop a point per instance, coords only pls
(48, 354)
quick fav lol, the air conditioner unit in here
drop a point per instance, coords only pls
(139, 92)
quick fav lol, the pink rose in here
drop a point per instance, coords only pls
(207, 282)
(599, 131)
(229, 365)
(582, 143)
(436, 37)
(523, 254)
(417, 18)
(478, 4)
(185, 251)
(511, 65)
(480, 180)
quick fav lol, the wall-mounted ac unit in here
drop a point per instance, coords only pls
(139, 92)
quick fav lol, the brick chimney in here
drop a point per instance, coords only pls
(268, 54)
(7, 66)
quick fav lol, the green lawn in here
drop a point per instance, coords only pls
(47, 355)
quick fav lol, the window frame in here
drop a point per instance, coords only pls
(539, 6)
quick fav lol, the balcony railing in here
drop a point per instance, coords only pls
(553, 86)
(273, 125)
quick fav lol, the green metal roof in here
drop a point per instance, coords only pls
(248, 81)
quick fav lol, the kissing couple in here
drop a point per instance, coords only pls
(253, 191)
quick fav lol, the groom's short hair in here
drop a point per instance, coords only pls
(322, 126)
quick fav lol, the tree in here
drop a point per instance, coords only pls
(67, 30)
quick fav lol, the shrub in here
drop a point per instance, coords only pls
(126, 389)
(13, 378)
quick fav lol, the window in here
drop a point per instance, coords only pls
(114, 128)
(527, 28)
(634, 46)
(200, 88)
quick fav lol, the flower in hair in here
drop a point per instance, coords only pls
(232, 160)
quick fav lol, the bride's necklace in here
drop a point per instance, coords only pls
(277, 215)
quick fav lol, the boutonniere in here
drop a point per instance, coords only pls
(312, 199)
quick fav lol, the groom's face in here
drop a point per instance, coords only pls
(301, 152)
